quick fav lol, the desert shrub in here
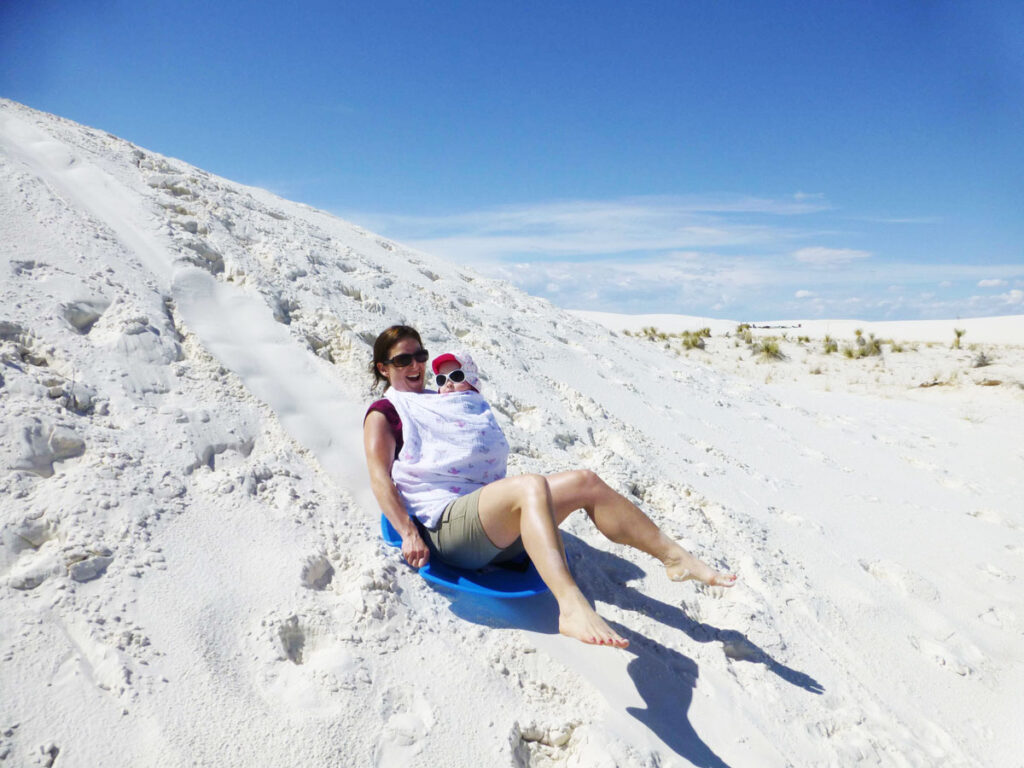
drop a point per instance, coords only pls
(768, 349)
(692, 340)
(863, 346)
(895, 346)
(831, 345)
(981, 360)
(957, 335)
(803, 339)
(653, 334)
(871, 346)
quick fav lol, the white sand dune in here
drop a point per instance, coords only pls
(190, 569)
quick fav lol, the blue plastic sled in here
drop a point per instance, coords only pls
(492, 580)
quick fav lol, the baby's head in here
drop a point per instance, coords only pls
(455, 372)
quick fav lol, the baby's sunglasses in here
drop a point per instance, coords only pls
(457, 376)
(405, 360)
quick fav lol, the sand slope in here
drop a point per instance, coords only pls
(190, 572)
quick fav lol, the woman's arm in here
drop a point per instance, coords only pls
(379, 444)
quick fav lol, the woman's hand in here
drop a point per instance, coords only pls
(414, 550)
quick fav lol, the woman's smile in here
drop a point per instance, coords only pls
(408, 378)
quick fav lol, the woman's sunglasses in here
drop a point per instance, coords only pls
(456, 376)
(405, 360)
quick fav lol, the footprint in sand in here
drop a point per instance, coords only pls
(996, 573)
(991, 517)
(534, 744)
(305, 667)
(1001, 618)
(950, 654)
(815, 455)
(317, 572)
(945, 479)
(30, 553)
(408, 719)
(44, 443)
(958, 484)
(82, 315)
(905, 581)
(90, 659)
(921, 464)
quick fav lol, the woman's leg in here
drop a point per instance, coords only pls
(522, 506)
(623, 522)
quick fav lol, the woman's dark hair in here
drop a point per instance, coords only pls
(382, 346)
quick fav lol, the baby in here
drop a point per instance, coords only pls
(452, 446)
(455, 372)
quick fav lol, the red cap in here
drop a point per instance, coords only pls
(440, 360)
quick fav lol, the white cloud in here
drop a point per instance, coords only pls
(752, 286)
(829, 257)
(899, 220)
(641, 285)
(807, 196)
(735, 257)
(1014, 298)
(995, 283)
(599, 227)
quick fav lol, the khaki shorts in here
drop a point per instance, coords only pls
(460, 540)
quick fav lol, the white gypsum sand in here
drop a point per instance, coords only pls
(887, 359)
(190, 568)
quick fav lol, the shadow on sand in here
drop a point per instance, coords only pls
(665, 678)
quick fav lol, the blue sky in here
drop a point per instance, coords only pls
(744, 160)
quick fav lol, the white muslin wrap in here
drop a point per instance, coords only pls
(452, 445)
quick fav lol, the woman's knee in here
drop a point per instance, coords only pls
(534, 488)
(589, 484)
(578, 489)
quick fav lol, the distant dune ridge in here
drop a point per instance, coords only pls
(988, 330)
(191, 571)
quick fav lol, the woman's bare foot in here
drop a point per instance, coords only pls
(682, 566)
(578, 620)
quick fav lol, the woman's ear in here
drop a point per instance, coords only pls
(382, 370)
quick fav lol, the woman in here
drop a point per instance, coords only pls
(505, 512)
